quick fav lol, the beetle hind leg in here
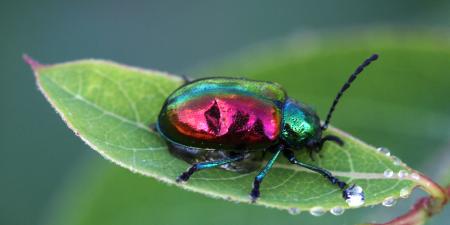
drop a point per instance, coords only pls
(206, 165)
(333, 180)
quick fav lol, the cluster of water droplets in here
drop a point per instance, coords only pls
(390, 201)
(354, 195)
(319, 211)
(389, 173)
(401, 174)
(385, 151)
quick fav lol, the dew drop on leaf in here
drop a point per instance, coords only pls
(384, 151)
(402, 174)
(317, 211)
(337, 211)
(354, 196)
(415, 176)
(396, 160)
(404, 192)
(388, 173)
(294, 211)
(389, 201)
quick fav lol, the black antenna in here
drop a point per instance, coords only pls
(346, 86)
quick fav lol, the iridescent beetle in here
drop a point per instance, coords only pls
(232, 122)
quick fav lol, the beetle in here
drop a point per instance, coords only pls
(232, 123)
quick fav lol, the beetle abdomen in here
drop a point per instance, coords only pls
(223, 114)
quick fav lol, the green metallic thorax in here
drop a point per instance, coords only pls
(300, 124)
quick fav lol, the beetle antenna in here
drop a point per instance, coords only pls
(346, 86)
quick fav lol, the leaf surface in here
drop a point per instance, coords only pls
(111, 106)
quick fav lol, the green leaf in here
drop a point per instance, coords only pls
(111, 107)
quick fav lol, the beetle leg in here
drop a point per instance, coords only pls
(332, 138)
(291, 157)
(206, 165)
(318, 146)
(254, 194)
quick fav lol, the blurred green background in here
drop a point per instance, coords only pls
(48, 176)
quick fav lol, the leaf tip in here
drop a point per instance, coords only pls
(35, 65)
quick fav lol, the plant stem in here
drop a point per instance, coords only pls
(425, 207)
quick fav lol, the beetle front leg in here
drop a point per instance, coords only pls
(206, 165)
(254, 194)
(291, 157)
(332, 138)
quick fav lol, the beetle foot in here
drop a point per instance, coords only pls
(186, 175)
(354, 196)
(180, 180)
(183, 178)
(254, 195)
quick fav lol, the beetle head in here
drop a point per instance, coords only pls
(301, 125)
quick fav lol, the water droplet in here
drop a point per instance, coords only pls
(404, 193)
(294, 211)
(337, 211)
(317, 211)
(384, 151)
(388, 173)
(415, 176)
(389, 201)
(396, 160)
(402, 174)
(354, 196)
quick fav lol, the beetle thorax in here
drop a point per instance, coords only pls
(301, 125)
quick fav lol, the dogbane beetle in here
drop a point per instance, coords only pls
(232, 122)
